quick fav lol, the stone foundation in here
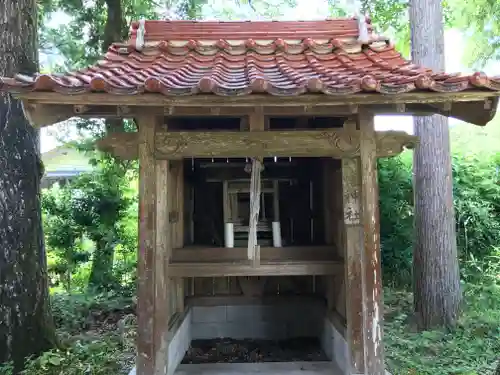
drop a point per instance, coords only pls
(272, 322)
(277, 321)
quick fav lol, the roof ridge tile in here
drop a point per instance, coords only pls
(275, 57)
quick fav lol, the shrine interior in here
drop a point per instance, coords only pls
(300, 223)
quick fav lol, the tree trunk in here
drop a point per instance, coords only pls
(435, 264)
(26, 324)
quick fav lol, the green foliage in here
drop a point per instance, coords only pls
(471, 348)
(100, 357)
(480, 21)
(100, 206)
(476, 184)
(396, 218)
(97, 336)
(63, 235)
(477, 204)
(75, 313)
(81, 40)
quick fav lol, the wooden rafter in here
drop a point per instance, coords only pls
(336, 143)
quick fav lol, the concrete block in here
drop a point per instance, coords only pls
(340, 348)
(244, 313)
(334, 345)
(209, 314)
(327, 339)
(304, 328)
(203, 331)
(265, 313)
(179, 343)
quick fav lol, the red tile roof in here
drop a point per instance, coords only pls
(236, 58)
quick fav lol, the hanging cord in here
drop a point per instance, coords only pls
(255, 189)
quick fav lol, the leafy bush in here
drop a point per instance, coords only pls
(96, 358)
(477, 205)
(91, 227)
(476, 190)
(96, 334)
(396, 218)
(74, 313)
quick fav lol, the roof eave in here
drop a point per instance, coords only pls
(475, 107)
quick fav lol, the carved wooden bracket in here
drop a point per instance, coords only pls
(338, 143)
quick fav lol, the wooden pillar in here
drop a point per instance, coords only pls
(362, 264)
(177, 224)
(154, 250)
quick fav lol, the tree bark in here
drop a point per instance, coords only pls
(26, 326)
(436, 279)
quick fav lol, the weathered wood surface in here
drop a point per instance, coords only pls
(246, 300)
(214, 101)
(40, 114)
(245, 268)
(339, 143)
(353, 279)
(176, 222)
(154, 244)
(372, 267)
(362, 264)
(222, 254)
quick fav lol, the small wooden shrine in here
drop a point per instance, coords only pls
(258, 162)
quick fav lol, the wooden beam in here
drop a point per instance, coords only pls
(47, 108)
(223, 254)
(242, 300)
(337, 143)
(213, 101)
(40, 115)
(257, 120)
(245, 268)
(152, 304)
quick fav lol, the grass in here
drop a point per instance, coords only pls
(472, 348)
(97, 336)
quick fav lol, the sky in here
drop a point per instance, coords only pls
(318, 9)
